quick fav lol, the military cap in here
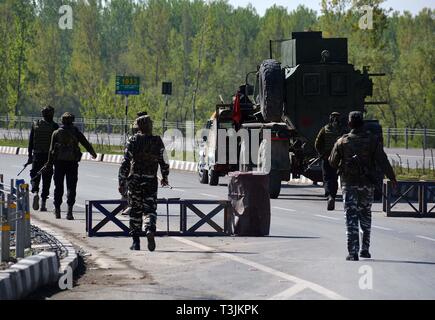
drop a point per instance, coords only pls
(142, 113)
(335, 114)
(356, 117)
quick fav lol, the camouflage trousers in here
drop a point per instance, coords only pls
(357, 209)
(142, 198)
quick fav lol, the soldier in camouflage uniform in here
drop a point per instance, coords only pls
(39, 145)
(325, 141)
(144, 152)
(134, 129)
(355, 155)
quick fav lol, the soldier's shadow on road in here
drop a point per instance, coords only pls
(401, 261)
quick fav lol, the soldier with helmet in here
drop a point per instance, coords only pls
(65, 155)
(39, 145)
(355, 155)
(325, 141)
(144, 152)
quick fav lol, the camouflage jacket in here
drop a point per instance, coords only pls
(326, 139)
(370, 153)
(143, 154)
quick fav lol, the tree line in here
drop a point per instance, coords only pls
(204, 48)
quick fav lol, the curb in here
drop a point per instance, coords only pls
(27, 275)
(116, 158)
(36, 271)
(9, 150)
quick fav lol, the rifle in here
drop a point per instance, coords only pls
(25, 166)
(312, 163)
(160, 179)
(40, 172)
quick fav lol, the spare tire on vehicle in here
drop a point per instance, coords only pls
(271, 90)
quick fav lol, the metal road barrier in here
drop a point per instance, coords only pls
(406, 190)
(14, 218)
(185, 205)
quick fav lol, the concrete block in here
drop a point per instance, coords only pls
(16, 282)
(6, 289)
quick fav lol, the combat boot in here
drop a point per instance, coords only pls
(57, 212)
(35, 204)
(151, 241)
(331, 203)
(136, 243)
(352, 257)
(365, 254)
(69, 215)
(43, 205)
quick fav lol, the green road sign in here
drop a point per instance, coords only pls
(127, 85)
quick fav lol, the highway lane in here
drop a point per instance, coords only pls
(303, 257)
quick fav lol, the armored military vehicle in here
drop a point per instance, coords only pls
(294, 98)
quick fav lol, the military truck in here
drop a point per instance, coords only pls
(294, 98)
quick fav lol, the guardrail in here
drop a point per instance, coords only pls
(185, 205)
(406, 133)
(418, 195)
(14, 218)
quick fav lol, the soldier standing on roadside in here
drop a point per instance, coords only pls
(325, 141)
(65, 155)
(144, 152)
(39, 145)
(355, 155)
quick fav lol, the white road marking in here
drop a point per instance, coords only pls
(426, 238)
(176, 189)
(299, 282)
(287, 294)
(285, 209)
(326, 217)
(382, 228)
(209, 195)
(80, 206)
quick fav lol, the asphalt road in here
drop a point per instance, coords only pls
(303, 258)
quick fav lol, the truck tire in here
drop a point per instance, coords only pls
(271, 90)
(213, 178)
(274, 184)
(203, 176)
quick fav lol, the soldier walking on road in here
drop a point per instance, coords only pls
(325, 141)
(144, 152)
(65, 155)
(39, 145)
(355, 155)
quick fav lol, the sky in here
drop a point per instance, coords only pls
(414, 6)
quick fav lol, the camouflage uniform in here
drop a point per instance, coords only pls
(325, 141)
(138, 173)
(355, 155)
